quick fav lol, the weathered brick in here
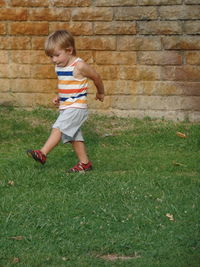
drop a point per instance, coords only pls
(13, 14)
(4, 57)
(71, 3)
(30, 3)
(128, 72)
(19, 70)
(2, 3)
(92, 13)
(87, 56)
(115, 58)
(2, 28)
(115, 2)
(4, 70)
(135, 13)
(115, 27)
(6, 99)
(179, 12)
(15, 43)
(192, 27)
(110, 72)
(182, 73)
(49, 14)
(195, 2)
(38, 42)
(29, 28)
(97, 105)
(4, 85)
(96, 43)
(148, 73)
(121, 87)
(193, 58)
(159, 58)
(159, 2)
(168, 88)
(160, 27)
(76, 28)
(128, 43)
(181, 42)
(33, 85)
(20, 56)
(42, 71)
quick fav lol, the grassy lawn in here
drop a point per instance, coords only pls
(140, 206)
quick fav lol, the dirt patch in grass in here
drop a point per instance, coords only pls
(114, 257)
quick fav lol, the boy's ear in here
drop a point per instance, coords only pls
(70, 50)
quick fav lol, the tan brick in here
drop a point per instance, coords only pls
(87, 56)
(33, 100)
(115, 2)
(123, 102)
(128, 43)
(14, 43)
(135, 13)
(39, 57)
(38, 43)
(160, 27)
(159, 2)
(115, 58)
(195, 2)
(2, 28)
(110, 72)
(19, 71)
(20, 56)
(4, 85)
(193, 58)
(6, 99)
(92, 13)
(159, 58)
(115, 27)
(94, 104)
(128, 73)
(42, 71)
(76, 28)
(192, 27)
(34, 85)
(121, 87)
(4, 58)
(148, 73)
(4, 70)
(181, 42)
(179, 12)
(182, 73)
(49, 14)
(2, 3)
(168, 88)
(13, 14)
(30, 3)
(29, 28)
(71, 3)
(96, 43)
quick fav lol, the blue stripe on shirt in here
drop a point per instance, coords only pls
(64, 73)
(73, 97)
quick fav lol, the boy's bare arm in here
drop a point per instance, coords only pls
(87, 71)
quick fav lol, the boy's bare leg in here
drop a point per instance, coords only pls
(52, 141)
(80, 150)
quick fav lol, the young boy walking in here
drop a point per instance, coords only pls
(73, 74)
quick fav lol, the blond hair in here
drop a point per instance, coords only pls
(61, 39)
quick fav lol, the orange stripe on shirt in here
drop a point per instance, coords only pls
(77, 101)
(71, 91)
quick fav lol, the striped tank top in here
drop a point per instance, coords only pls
(72, 92)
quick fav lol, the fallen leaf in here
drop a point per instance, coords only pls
(19, 237)
(15, 260)
(182, 135)
(170, 216)
(114, 257)
(11, 182)
(178, 164)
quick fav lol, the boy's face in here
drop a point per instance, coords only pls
(61, 57)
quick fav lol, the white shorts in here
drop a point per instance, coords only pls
(69, 123)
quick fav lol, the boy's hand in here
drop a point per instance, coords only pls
(100, 97)
(56, 101)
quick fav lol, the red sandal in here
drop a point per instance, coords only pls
(81, 167)
(37, 155)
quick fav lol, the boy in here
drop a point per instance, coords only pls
(72, 74)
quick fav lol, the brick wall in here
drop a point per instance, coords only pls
(147, 52)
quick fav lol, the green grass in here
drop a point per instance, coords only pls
(142, 172)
